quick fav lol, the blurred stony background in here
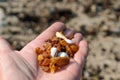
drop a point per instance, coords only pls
(98, 20)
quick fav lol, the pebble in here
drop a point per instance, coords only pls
(63, 54)
(59, 35)
(53, 51)
(69, 41)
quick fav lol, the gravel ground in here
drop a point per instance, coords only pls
(97, 20)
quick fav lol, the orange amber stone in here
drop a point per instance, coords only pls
(38, 50)
(74, 48)
(52, 64)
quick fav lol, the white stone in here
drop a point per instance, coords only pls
(63, 54)
(53, 51)
(69, 41)
(59, 35)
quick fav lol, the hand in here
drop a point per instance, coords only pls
(22, 65)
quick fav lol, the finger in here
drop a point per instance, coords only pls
(9, 60)
(80, 56)
(77, 38)
(69, 32)
(28, 52)
(4, 46)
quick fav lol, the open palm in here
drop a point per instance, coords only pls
(22, 65)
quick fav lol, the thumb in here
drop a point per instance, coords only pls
(5, 50)
(12, 63)
(4, 56)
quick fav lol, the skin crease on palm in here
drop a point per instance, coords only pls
(22, 65)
